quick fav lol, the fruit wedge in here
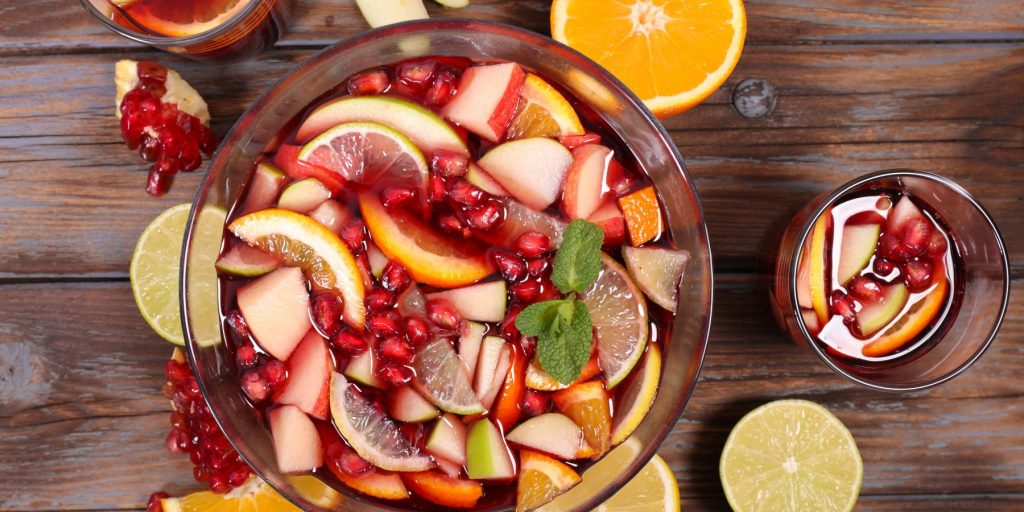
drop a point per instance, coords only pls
(436, 487)
(447, 439)
(855, 250)
(276, 308)
(507, 409)
(363, 367)
(385, 12)
(585, 188)
(816, 266)
(638, 396)
(425, 129)
(480, 178)
(378, 483)
(619, 314)
(518, 220)
(365, 152)
(657, 271)
(254, 495)
(287, 158)
(487, 455)
(486, 99)
(541, 479)
(609, 218)
(537, 378)
(904, 211)
(303, 195)
(543, 112)
(483, 302)
(552, 433)
(653, 488)
(370, 432)
(309, 373)
(469, 346)
(532, 170)
(875, 316)
(332, 215)
(441, 378)
(587, 405)
(303, 242)
(405, 404)
(914, 321)
(430, 257)
(296, 442)
(264, 187)
(247, 261)
(643, 215)
(492, 349)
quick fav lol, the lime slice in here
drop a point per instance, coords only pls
(657, 272)
(791, 455)
(370, 432)
(442, 379)
(363, 152)
(154, 273)
(653, 488)
(638, 396)
(619, 314)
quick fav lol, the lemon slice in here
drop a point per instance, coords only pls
(791, 455)
(255, 496)
(638, 396)
(653, 488)
(154, 274)
(543, 112)
(619, 314)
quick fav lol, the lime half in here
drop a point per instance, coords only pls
(154, 273)
(791, 455)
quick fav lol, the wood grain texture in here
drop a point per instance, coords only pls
(92, 407)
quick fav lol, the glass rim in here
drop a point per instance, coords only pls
(829, 201)
(152, 40)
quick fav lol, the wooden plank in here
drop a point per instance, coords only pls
(85, 396)
(842, 111)
(57, 26)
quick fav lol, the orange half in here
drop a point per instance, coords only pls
(185, 19)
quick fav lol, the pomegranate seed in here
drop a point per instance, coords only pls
(391, 197)
(866, 289)
(148, 70)
(537, 266)
(219, 484)
(937, 243)
(532, 244)
(890, 248)
(438, 189)
(394, 376)
(273, 372)
(167, 389)
(368, 82)
(239, 476)
(534, 403)
(574, 141)
(449, 164)
(396, 349)
(548, 290)
(347, 461)
(417, 330)
(463, 192)
(349, 343)
(843, 305)
(255, 386)
(526, 291)
(383, 323)
(917, 275)
(178, 419)
(417, 74)
(529, 346)
(237, 323)
(176, 372)
(883, 267)
(201, 474)
(327, 313)
(486, 216)
(451, 223)
(353, 235)
(443, 314)
(441, 90)
(158, 183)
(191, 387)
(916, 235)
(172, 441)
(154, 505)
(150, 149)
(511, 267)
(378, 299)
(508, 329)
(395, 278)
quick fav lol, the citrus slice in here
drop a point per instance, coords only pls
(537, 378)
(429, 257)
(816, 268)
(791, 455)
(587, 405)
(178, 19)
(542, 112)
(619, 314)
(363, 152)
(441, 378)
(155, 267)
(672, 53)
(653, 488)
(541, 479)
(255, 496)
(370, 432)
(305, 243)
(638, 396)
(657, 271)
(911, 323)
(379, 484)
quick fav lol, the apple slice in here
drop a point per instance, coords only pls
(904, 211)
(817, 285)
(585, 182)
(309, 373)
(247, 261)
(532, 170)
(486, 99)
(448, 439)
(378, 483)
(377, 259)
(874, 316)
(303, 195)
(552, 433)
(378, 13)
(487, 455)
(487, 364)
(296, 441)
(483, 302)
(855, 250)
(276, 307)
(504, 363)
(480, 178)
(444, 490)
(412, 302)
(469, 346)
(811, 321)
(332, 215)
(405, 404)
(609, 218)
(363, 367)
(448, 467)
(264, 187)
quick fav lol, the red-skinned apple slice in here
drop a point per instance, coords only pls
(447, 439)
(610, 219)
(487, 364)
(904, 211)
(874, 316)
(469, 347)
(448, 467)
(487, 455)
(405, 404)
(303, 195)
(296, 441)
(585, 188)
(264, 187)
(309, 373)
(483, 302)
(532, 170)
(363, 367)
(287, 158)
(487, 99)
(276, 307)
(504, 363)
(552, 433)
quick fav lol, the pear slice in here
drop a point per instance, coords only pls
(855, 251)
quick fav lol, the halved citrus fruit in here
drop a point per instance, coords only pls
(915, 320)
(441, 378)
(638, 396)
(672, 53)
(305, 243)
(619, 314)
(370, 432)
(184, 19)
(429, 257)
(541, 479)
(542, 112)
(255, 496)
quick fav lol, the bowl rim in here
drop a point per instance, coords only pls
(235, 136)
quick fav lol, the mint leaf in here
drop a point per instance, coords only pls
(537, 319)
(565, 348)
(578, 259)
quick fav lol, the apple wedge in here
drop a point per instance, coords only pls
(487, 455)
(448, 467)
(875, 316)
(332, 215)
(276, 307)
(552, 433)
(486, 99)
(363, 367)
(500, 372)
(247, 261)
(405, 404)
(904, 211)
(483, 302)
(487, 364)
(447, 439)
(469, 346)
(855, 250)
(480, 178)
(309, 373)
(303, 195)
(585, 188)
(609, 218)
(532, 170)
(378, 13)
(264, 187)
(296, 441)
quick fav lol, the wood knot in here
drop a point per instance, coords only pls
(23, 382)
(754, 98)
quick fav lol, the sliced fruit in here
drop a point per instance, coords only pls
(364, 152)
(469, 346)
(309, 372)
(428, 256)
(370, 432)
(518, 220)
(441, 379)
(585, 188)
(483, 302)
(875, 316)
(448, 467)
(653, 488)
(303, 242)
(425, 129)
(363, 367)
(532, 170)
(811, 320)
(287, 158)
(436, 487)
(264, 187)
(632, 39)
(498, 379)
(609, 218)
(296, 442)
(619, 314)
(332, 215)
(405, 404)
(587, 405)
(480, 178)
(447, 439)
(377, 260)
(507, 409)
(638, 396)
(543, 112)
(551, 433)
(538, 379)
(314, 491)
(246, 261)
(176, 20)
(771, 462)
(486, 99)
(657, 271)
(276, 308)
(378, 13)
(487, 455)
(254, 495)
(643, 215)
(914, 321)
(542, 479)
(303, 195)
(856, 249)
(487, 364)
(377, 483)
(803, 278)
(904, 211)
(816, 267)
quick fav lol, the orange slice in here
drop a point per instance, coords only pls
(913, 321)
(541, 479)
(672, 53)
(642, 214)
(379, 484)
(184, 19)
(543, 112)
(587, 405)
(538, 379)
(429, 257)
(436, 487)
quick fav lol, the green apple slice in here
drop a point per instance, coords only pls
(487, 455)
(855, 250)
(873, 317)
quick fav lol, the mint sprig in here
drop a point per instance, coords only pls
(563, 327)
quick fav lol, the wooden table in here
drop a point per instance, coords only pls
(861, 85)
